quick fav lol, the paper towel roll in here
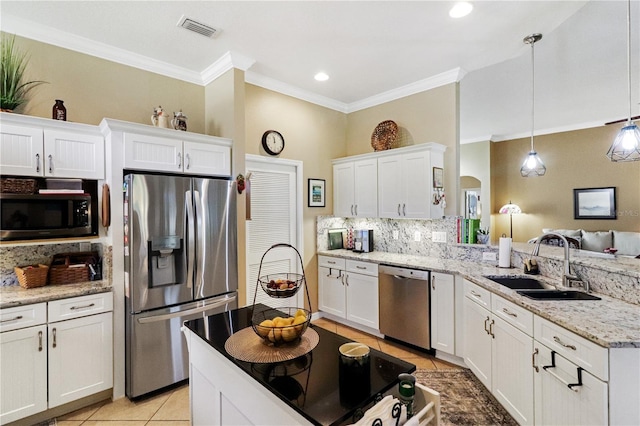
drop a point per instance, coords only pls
(504, 253)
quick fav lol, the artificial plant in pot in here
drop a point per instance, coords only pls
(13, 63)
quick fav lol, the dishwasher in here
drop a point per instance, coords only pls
(404, 305)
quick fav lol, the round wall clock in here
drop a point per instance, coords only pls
(272, 142)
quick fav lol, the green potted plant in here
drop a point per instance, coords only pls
(482, 236)
(12, 67)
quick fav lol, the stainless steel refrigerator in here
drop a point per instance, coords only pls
(180, 263)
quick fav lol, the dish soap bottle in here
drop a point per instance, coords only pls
(406, 391)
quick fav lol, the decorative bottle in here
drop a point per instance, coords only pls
(406, 392)
(59, 111)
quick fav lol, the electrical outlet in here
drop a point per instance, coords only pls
(489, 255)
(416, 236)
(439, 237)
(396, 235)
(85, 246)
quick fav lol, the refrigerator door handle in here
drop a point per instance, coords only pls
(198, 239)
(190, 232)
(164, 317)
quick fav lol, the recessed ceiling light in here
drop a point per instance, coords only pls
(321, 76)
(461, 9)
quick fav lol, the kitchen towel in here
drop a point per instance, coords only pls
(504, 253)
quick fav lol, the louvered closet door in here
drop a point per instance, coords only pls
(274, 219)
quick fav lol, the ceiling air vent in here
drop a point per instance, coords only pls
(197, 27)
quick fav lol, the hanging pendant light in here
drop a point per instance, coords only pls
(533, 165)
(626, 145)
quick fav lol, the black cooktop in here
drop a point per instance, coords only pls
(309, 384)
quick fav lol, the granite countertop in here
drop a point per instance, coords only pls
(15, 295)
(609, 322)
(309, 384)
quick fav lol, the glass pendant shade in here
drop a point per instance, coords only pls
(626, 145)
(532, 166)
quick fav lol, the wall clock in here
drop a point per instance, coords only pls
(272, 142)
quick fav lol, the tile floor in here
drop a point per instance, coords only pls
(172, 407)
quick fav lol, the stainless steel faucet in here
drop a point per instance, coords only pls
(567, 276)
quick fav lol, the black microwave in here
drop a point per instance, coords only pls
(36, 216)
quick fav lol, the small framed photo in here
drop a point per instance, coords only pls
(594, 203)
(316, 192)
(438, 177)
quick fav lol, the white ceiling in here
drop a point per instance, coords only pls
(371, 50)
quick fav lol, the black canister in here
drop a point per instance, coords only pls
(59, 111)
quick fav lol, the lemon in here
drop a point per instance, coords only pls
(298, 322)
(289, 334)
(301, 312)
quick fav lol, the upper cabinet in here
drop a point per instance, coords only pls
(167, 150)
(397, 183)
(32, 146)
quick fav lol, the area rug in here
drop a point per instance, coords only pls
(463, 398)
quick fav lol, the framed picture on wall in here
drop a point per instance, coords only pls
(594, 203)
(316, 193)
(438, 177)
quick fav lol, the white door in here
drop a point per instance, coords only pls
(74, 155)
(207, 159)
(477, 341)
(21, 151)
(365, 195)
(343, 187)
(276, 217)
(152, 153)
(442, 312)
(331, 291)
(390, 193)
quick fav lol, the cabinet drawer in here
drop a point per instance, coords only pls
(23, 316)
(75, 307)
(477, 294)
(331, 262)
(576, 349)
(365, 268)
(515, 315)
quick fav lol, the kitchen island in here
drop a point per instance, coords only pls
(306, 390)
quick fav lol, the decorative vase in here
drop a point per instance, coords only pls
(482, 238)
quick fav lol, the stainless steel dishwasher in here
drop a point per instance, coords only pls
(404, 305)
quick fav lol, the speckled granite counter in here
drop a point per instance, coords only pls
(11, 296)
(608, 322)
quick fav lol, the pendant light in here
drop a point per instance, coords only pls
(533, 165)
(626, 145)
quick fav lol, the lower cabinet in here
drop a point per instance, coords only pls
(443, 326)
(50, 364)
(349, 290)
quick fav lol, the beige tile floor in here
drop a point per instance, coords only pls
(172, 407)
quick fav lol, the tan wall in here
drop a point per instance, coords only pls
(574, 160)
(475, 160)
(430, 116)
(94, 88)
(314, 135)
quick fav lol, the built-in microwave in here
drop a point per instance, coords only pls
(35, 216)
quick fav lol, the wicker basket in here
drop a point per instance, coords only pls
(384, 135)
(18, 186)
(32, 275)
(69, 268)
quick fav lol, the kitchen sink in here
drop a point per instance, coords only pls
(516, 282)
(557, 295)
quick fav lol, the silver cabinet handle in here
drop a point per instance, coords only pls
(39, 341)
(399, 214)
(404, 211)
(55, 343)
(331, 262)
(533, 360)
(346, 279)
(508, 312)
(38, 163)
(179, 161)
(433, 282)
(356, 210)
(485, 325)
(491, 329)
(474, 294)
(50, 163)
(91, 305)
(188, 158)
(560, 342)
(360, 267)
(12, 319)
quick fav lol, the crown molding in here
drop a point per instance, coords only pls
(548, 131)
(293, 91)
(226, 62)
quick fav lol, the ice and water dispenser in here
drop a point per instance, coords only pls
(166, 261)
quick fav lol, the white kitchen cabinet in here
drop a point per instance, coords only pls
(405, 182)
(23, 362)
(348, 290)
(443, 327)
(355, 188)
(172, 153)
(477, 341)
(32, 146)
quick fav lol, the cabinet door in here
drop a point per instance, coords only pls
(362, 299)
(73, 155)
(343, 187)
(23, 381)
(442, 312)
(21, 151)
(80, 358)
(512, 371)
(390, 187)
(152, 153)
(477, 341)
(366, 188)
(416, 175)
(331, 291)
(207, 159)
